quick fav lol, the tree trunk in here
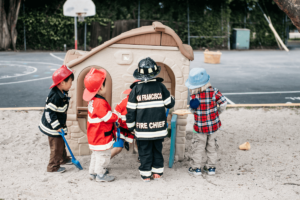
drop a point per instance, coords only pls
(5, 40)
(8, 35)
(292, 9)
(14, 7)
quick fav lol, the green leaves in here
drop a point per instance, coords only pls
(50, 32)
(47, 28)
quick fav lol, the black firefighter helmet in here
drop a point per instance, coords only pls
(146, 70)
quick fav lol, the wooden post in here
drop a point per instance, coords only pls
(273, 29)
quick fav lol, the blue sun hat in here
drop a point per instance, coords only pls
(197, 78)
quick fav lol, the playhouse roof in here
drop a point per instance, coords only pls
(156, 35)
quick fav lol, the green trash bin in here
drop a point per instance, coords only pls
(241, 38)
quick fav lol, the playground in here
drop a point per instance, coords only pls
(270, 170)
(251, 77)
(259, 80)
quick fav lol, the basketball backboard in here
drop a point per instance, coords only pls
(79, 8)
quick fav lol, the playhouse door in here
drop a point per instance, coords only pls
(81, 104)
(169, 78)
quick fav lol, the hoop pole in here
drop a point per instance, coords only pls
(139, 10)
(228, 35)
(85, 36)
(75, 26)
(24, 27)
(188, 21)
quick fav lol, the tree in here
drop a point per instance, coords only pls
(8, 21)
(292, 9)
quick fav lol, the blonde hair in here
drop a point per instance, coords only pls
(200, 89)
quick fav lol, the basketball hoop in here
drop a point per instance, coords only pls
(80, 9)
(81, 16)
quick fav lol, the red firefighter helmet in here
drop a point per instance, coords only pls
(129, 90)
(93, 81)
(60, 74)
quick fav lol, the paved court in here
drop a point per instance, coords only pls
(255, 77)
(244, 77)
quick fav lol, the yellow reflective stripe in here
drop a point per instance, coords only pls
(107, 116)
(167, 101)
(130, 125)
(157, 170)
(55, 124)
(146, 173)
(131, 105)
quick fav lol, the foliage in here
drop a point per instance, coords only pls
(48, 29)
(50, 32)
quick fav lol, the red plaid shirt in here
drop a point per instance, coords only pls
(206, 115)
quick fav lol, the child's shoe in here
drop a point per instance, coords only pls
(104, 178)
(106, 171)
(61, 170)
(196, 171)
(210, 171)
(146, 179)
(92, 176)
(69, 162)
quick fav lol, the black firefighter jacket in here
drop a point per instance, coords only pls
(55, 113)
(146, 113)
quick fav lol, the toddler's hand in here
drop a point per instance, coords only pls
(117, 125)
(58, 130)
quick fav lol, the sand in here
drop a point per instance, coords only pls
(270, 170)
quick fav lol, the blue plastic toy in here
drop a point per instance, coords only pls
(173, 140)
(74, 161)
(167, 113)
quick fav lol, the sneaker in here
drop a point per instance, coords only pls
(92, 176)
(61, 170)
(126, 146)
(146, 179)
(210, 171)
(196, 171)
(104, 178)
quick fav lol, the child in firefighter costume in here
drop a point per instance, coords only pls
(100, 125)
(204, 101)
(146, 116)
(125, 135)
(54, 118)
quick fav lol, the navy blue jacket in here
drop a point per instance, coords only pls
(55, 113)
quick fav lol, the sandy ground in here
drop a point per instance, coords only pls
(270, 170)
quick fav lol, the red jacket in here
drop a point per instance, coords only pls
(100, 125)
(122, 111)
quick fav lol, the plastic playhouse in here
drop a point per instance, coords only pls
(119, 57)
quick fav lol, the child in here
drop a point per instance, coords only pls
(146, 115)
(54, 118)
(125, 134)
(100, 125)
(204, 100)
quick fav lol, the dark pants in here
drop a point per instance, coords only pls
(152, 160)
(58, 153)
